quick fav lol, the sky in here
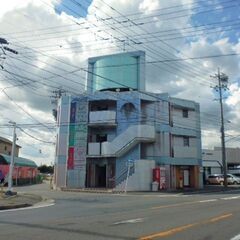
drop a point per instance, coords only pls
(185, 41)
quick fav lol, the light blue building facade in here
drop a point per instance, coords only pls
(116, 122)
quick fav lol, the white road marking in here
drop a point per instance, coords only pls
(41, 205)
(236, 237)
(230, 198)
(208, 200)
(137, 220)
(150, 195)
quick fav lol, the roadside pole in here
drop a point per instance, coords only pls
(10, 175)
(126, 183)
(222, 85)
(130, 163)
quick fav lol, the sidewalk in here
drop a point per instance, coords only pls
(18, 201)
(207, 189)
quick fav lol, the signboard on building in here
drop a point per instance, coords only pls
(70, 161)
(78, 141)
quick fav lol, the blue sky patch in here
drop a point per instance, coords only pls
(221, 19)
(75, 8)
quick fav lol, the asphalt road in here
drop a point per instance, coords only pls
(144, 216)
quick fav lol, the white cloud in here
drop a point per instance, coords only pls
(17, 5)
(149, 5)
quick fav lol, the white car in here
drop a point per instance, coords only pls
(232, 179)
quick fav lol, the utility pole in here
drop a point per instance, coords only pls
(10, 174)
(57, 95)
(222, 85)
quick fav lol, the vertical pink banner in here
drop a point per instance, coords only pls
(70, 162)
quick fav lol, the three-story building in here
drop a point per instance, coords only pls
(117, 129)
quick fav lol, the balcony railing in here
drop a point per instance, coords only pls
(102, 117)
(185, 152)
(94, 149)
(123, 142)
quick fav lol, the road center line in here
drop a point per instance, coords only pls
(185, 227)
(195, 202)
(175, 205)
(216, 219)
(230, 198)
(208, 200)
(185, 203)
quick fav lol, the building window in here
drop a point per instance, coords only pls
(101, 138)
(5, 148)
(102, 108)
(186, 141)
(185, 113)
(127, 109)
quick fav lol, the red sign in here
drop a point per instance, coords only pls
(70, 162)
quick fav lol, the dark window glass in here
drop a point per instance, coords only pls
(185, 113)
(101, 137)
(186, 141)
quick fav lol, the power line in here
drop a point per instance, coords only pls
(112, 23)
(107, 19)
(165, 69)
(150, 49)
(24, 110)
(177, 31)
(40, 140)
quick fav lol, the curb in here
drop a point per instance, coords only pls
(94, 190)
(213, 191)
(23, 205)
(112, 191)
(86, 190)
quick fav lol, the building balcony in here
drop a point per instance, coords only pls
(124, 142)
(102, 118)
(190, 122)
(94, 149)
(185, 152)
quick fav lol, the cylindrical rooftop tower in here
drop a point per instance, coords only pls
(122, 71)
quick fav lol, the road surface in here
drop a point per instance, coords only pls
(145, 216)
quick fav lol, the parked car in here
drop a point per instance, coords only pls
(215, 179)
(232, 179)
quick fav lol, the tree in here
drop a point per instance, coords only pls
(45, 169)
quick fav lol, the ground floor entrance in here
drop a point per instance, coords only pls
(186, 176)
(100, 173)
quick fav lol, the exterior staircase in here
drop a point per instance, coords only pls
(128, 139)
